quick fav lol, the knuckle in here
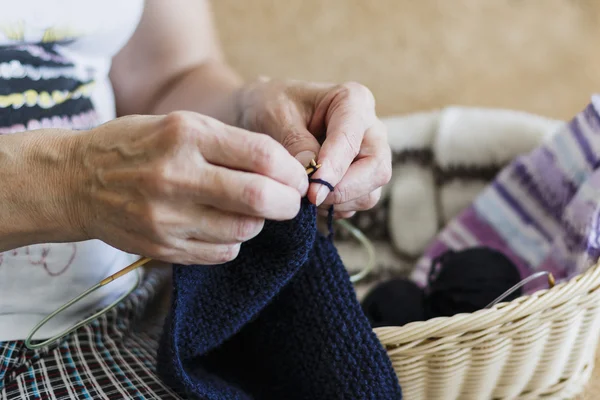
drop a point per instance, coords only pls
(254, 196)
(359, 90)
(383, 174)
(182, 128)
(226, 253)
(341, 195)
(178, 125)
(353, 86)
(292, 138)
(262, 152)
(247, 228)
(369, 201)
(352, 145)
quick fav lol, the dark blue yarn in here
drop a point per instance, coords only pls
(280, 322)
(322, 182)
(330, 211)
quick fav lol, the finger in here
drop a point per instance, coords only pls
(236, 148)
(336, 215)
(301, 144)
(219, 227)
(261, 154)
(290, 128)
(286, 121)
(371, 170)
(350, 114)
(363, 203)
(248, 194)
(192, 252)
(343, 215)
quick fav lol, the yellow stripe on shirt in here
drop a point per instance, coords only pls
(44, 99)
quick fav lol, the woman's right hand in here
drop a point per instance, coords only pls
(182, 188)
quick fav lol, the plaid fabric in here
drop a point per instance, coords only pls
(111, 358)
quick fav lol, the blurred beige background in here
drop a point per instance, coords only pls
(540, 56)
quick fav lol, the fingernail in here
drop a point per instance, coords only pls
(322, 194)
(303, 188)
(305, 157)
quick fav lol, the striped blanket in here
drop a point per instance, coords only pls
(541, 210)
(519, 183)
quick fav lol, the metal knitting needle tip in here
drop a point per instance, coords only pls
(551, 282)
(313, 163)
(310, 170)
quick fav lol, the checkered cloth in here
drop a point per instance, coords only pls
(107, 359)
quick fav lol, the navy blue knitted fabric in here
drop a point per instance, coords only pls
(279, 322)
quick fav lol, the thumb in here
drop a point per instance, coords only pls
(301, 144)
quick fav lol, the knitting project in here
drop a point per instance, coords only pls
(542, 210)
(280, 322)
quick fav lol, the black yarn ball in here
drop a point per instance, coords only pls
(394, 303)
(468, 280)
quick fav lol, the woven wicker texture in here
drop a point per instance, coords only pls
(541, 345)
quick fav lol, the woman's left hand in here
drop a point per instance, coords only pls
(333, 124)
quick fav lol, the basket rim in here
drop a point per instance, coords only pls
(500, 313)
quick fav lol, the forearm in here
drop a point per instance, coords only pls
(35, 171)
(210, 89)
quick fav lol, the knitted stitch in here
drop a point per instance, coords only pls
(279, 322)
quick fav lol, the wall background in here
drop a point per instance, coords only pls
(541, 56)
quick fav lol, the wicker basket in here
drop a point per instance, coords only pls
(537, 346)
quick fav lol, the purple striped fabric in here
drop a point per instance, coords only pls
(542, 210)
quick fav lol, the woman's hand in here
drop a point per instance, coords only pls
(184, 187)
(354, 153)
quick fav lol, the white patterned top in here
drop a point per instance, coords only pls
(55, 56)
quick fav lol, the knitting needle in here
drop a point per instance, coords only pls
(551, 283)
(125, 270)
(309, 170)
(312, 168)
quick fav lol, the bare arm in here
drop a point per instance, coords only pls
(36, 192)
(111, 182)
(173, 62)
(116, 183)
